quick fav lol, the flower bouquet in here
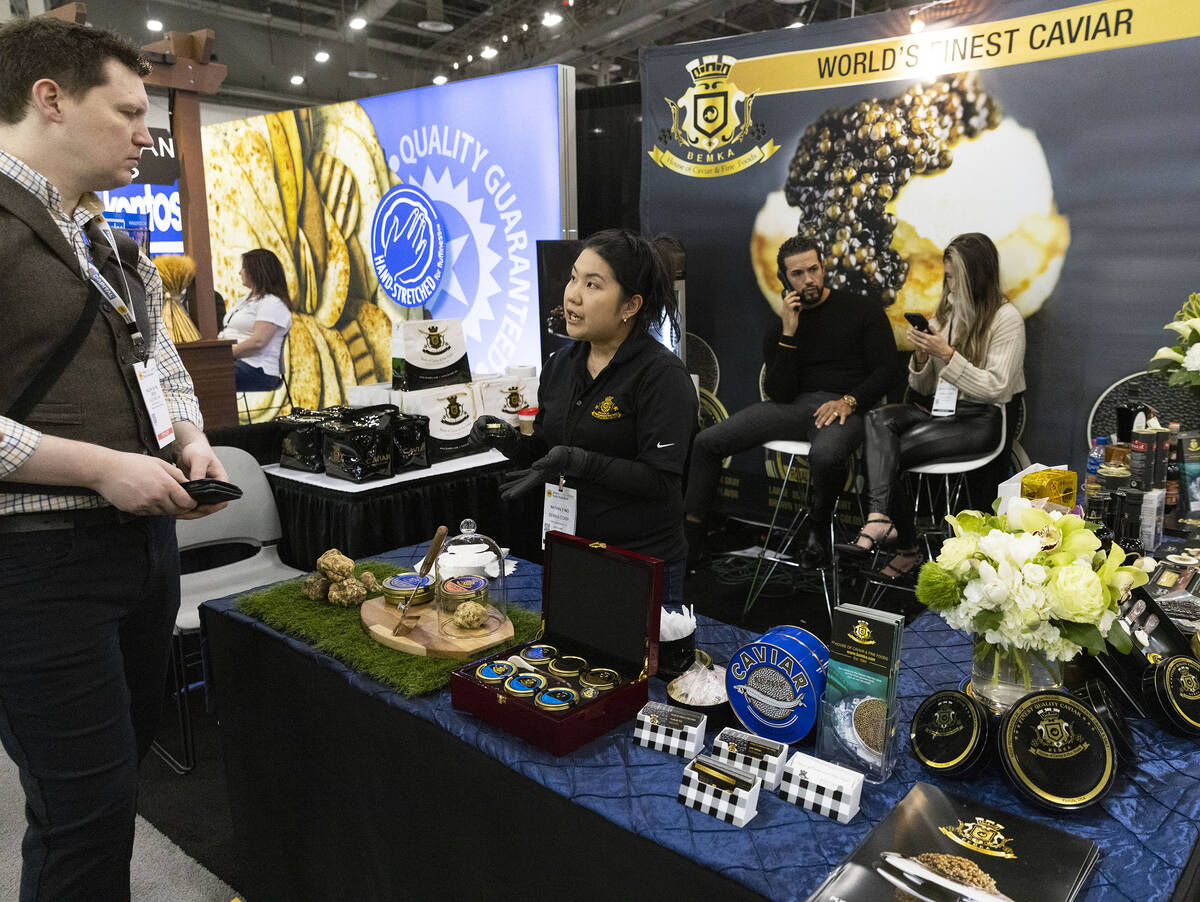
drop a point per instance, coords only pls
(1035, 589)
(1180, 362)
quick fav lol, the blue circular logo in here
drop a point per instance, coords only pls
(408, 246)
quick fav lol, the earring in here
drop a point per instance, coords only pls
(624, 319)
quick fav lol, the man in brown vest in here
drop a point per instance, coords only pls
(98, 429)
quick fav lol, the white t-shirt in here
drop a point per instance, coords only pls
(240, 320)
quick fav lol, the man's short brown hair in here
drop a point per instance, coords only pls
(72, 55)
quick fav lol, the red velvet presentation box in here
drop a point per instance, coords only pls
(598, 603)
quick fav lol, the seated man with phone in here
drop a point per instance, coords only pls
(830, 357)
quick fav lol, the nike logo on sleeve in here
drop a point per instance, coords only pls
(664, 444)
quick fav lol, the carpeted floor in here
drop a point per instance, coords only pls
(160, 872)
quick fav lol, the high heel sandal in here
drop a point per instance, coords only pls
(901, 575)
(853, 549)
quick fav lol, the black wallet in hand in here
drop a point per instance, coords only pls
(212, 491)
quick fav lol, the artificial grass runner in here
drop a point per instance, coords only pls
(338, 632)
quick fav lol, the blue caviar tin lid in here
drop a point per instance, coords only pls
(775, 684)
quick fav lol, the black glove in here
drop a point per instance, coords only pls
(540, 472)
(492, 432)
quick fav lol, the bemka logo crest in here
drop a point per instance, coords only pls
(607, 409)
(455, 412)
(707, 123)
(862, 633)
(408, 246)
(435, 340)
(983, 836)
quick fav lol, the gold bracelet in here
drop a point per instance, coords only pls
(852, 401)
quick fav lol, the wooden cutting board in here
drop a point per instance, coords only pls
(380, 618)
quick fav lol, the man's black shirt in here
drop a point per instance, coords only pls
(843, 345)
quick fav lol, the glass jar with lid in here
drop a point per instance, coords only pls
(469, 585)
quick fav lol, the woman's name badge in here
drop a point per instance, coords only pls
(559, 509)
(945, 399)
(155, 401)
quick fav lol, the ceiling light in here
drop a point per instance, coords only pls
(154, 25)
(488, 52)
(456, 67)
(524, 26)
(321, 56)
(365, 74)
(435, 18)
(440, 79)
(551, 19)
(504, 38)
(297, 80)
(470, 58)
(796, 24)
(917, 26)
(358, 23)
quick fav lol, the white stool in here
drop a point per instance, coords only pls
(953, 473)
(792, 450)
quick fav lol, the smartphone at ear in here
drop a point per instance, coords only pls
(918, 322)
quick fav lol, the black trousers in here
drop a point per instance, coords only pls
(768, 421)
(86, 616)
(904, 435)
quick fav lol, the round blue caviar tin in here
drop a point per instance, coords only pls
(775, 683)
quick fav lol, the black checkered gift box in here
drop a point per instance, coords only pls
(827, 789)
(650, 730)
(769, 767)
(734, 806)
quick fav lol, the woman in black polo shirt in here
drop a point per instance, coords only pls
(616, 411)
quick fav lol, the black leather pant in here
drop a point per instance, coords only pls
(904, 435)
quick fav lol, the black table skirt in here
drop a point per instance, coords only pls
(360, 524)
(417, 813)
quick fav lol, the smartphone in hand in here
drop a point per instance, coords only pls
(918, 322)
(212, 491)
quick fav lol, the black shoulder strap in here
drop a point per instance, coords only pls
(58, 362)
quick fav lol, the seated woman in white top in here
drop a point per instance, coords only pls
(259, 322)
(976, 349)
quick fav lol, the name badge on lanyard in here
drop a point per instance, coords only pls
(155, 401)
(945, 399)
(559, 509)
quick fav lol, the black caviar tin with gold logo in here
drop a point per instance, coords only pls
(596, 650)
(1171, 689)
(1056, 752)
(950, 732)
(1103, 705)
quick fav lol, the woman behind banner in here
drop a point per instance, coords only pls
(971, 359)
(259, 322)
(616, 411)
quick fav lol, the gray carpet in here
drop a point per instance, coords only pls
(161, 872)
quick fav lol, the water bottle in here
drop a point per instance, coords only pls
(1096, 458)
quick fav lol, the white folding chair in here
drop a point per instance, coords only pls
(251, 520)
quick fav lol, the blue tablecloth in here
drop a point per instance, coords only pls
(1145, 827)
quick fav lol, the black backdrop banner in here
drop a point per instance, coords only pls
(1069, 134)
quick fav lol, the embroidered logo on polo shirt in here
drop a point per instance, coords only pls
(607, 410)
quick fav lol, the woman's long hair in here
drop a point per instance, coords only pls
(266, 275)
(639, 269)
(974, 262)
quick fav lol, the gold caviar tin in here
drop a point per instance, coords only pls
(568, 665)
(494, 671)
(557, 698)
(539, 654)
(524, 684)
(601, 678)
(397, 589)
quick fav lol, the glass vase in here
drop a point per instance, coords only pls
(1001, 675)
